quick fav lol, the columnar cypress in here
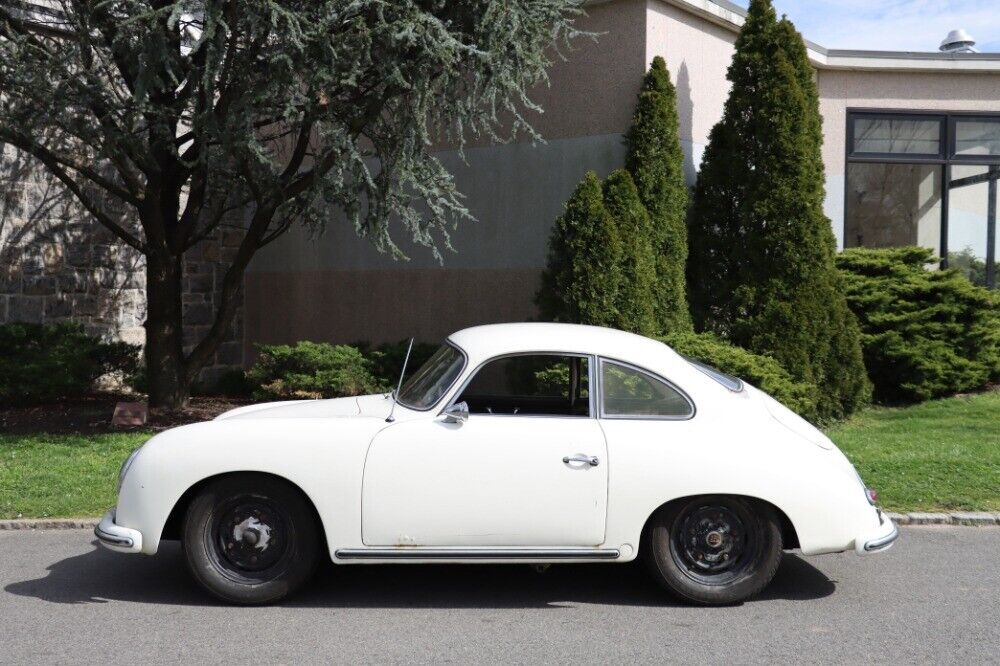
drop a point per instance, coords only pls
(637, 293)
(656, 163)
(581, 280)
(761, 269)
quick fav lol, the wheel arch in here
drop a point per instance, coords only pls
(172, 528)
(789, 536)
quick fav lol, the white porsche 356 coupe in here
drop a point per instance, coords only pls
(534, 443)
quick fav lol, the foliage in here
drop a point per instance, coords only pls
(926, 333)
(761, 269)
(656, 163)
(583, 273)
(760, 371)
(637, 291)
(43, 362)
(941, 455)
(387, 359)
(166, 118)
(311, 370)
(968, 264)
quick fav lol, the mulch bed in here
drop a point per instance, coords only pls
(92, 414)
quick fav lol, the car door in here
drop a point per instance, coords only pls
(527, 468)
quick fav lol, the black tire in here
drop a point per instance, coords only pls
(714, 550)
(250, 538)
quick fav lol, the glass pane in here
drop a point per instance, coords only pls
(977, 137)
(629, 392)
(538, 385)
(968, 208)
(434, 377)
(891, 205)
(897, 136)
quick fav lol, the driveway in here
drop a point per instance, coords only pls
(935, 597)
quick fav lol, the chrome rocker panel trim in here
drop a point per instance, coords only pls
(410, 553)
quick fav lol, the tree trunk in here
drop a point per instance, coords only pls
(165, 367)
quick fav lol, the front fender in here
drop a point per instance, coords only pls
(323, 458)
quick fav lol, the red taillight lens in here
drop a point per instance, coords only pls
(872, 495)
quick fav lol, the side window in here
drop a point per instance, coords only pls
(531, 385)
(628, 392)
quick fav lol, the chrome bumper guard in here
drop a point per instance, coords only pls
(883, 538)
(116, 537)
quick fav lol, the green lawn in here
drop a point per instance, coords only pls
(940, 455)
(67, 476)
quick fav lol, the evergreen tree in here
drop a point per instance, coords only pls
(656, 163)
(581, 280)
(761, 269)
(637, 292)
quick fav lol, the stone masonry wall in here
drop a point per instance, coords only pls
(57, 264)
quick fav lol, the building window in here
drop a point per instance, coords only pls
(925, 179)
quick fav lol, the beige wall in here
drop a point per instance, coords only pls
(698, 54)
(843, 90)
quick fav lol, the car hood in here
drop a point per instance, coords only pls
(377, 405)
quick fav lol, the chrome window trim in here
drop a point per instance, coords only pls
(710, 372)
(444, 393)
(591, 402)
(629, 417)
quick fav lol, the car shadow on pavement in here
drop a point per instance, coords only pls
(100, 576)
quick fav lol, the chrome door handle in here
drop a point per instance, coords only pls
(593, 461)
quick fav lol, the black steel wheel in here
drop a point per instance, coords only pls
(714, 549)
(250, 538)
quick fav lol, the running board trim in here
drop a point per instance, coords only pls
(411, 553)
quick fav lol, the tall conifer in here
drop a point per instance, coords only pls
(761, 266)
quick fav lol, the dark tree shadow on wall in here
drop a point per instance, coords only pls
(685, 114)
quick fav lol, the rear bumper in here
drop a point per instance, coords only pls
(879, 539)
(116, 537)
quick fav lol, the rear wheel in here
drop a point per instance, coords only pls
(714, 549)
(250, 538)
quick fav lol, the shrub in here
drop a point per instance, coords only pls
(656, 162)
(637, 291)
(387, 359)
(926, 333)
(762, 372)
(311, 370)
(761, 265)
(582, 275)
(43, 362)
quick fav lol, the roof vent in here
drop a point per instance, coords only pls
(959, 41)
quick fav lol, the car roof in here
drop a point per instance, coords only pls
(483, 342)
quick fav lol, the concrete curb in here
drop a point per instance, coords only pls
(49, 524)
(968, 518)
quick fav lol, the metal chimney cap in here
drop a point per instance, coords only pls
(957, 39)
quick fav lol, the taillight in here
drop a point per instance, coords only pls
(872, 495)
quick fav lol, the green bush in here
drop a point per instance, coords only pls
(387, 359)
(761, 371)
(583, 272)
(925, 333)
(311, 370)
(656, 162)
(42, 362)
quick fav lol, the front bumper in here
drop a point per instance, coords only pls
(116, 537)
(879, 539)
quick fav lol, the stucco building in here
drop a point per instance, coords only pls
(912, 151)
(909, 143)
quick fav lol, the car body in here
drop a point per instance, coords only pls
(527, 478)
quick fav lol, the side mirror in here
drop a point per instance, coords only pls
(456, 413)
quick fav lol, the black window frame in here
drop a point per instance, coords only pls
(946, 157)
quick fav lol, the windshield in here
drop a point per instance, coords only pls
(734, 384)
(428, 384)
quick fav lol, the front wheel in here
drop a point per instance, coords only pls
(250, 538)
(714, 550)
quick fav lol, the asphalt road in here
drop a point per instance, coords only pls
(933, 598)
